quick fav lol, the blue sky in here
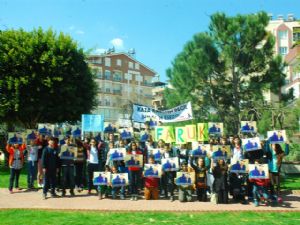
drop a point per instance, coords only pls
(157, 29)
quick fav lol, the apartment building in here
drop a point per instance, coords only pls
(122, 80)
(287, 32)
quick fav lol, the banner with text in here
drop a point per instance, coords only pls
(182, 112)
(93, 123)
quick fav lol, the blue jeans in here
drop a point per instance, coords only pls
(115, 190)
(14, 177)
(134, 179)
(259, 191)
(32, 173)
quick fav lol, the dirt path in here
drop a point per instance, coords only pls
(33, 200)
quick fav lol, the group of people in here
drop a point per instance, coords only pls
(213, 177)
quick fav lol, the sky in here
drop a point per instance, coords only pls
(156, 29)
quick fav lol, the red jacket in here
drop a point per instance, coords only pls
(11, 152)
(260, 182)
(151, 182)
(137, 152)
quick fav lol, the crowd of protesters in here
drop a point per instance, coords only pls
(213, 179)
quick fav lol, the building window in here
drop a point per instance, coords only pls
(119, 62)
(107, 62)
(282, 50)
(137, 66)
(107, 74)
(117, 76)
(296, 34)
(282, 34)
(130, 65)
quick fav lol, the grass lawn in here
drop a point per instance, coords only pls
(32, 217)
(4, 176)
(291, 182)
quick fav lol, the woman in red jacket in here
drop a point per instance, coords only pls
(15, 161)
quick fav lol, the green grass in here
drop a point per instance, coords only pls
(38, 217)
(4, 176)
(291, 182)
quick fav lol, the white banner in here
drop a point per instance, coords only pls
(143, 114)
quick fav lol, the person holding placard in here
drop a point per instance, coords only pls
(201, 174)
(134, 172)
(116, 189)
(15, 162)
(151, 184)
(93, 163)
(80, 162)
(220, 186)
(42, 144)
(185, 192)
(50, 165)
(168, 177)
(32, 152)
(67, 165)
(275, 156)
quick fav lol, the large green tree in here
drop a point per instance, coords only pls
(43, 78)
(226, 69)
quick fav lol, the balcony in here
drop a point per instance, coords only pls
(117, 92)
(146, 83)
(116, 78)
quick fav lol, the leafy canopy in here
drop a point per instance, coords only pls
(43, 78)
(226, 69)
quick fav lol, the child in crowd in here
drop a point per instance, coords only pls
(151, 184)
(15, 161)
(260, 189)
(185, 192)
(32, 157)
(104, 190)
(116, 190)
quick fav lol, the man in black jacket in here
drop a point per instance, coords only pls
(50, 163)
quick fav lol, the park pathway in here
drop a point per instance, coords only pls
(33, 200)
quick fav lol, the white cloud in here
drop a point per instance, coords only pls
(117, 43)
(100, 50)
(79, 32)
(71, 27)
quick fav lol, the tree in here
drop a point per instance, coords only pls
(44, 78)
(227, 69)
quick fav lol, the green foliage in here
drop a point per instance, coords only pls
(44, 78)
(226, 69)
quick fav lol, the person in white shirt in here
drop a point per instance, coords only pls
(32, 160)
(93, 163)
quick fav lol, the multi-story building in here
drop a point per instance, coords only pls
(158, 101)
(287, 33)
(122, 80)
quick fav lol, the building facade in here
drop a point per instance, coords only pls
(287, 33)
(122, 80)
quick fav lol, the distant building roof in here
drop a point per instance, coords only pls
(122, 53)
